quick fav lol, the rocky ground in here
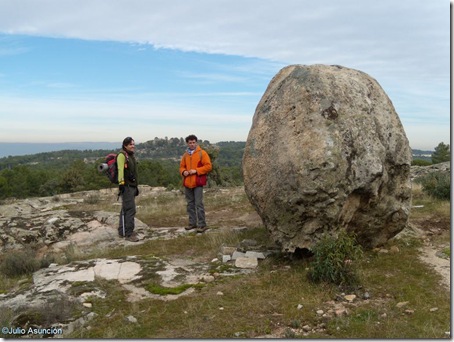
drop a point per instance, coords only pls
(44, 222)
(48, 226)
(418, 171)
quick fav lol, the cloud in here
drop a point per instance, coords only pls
(87, 120)
(388, 39)
(403, 44)
(294, 31)
(373, 36)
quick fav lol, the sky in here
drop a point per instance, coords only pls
(101, 70)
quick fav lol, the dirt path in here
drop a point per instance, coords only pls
(441, 265)
(435, 233)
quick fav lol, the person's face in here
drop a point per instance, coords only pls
(131, 146)
(192, 144)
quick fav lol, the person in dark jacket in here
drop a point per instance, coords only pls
(127, 182)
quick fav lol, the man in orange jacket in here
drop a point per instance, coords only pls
(194, 166)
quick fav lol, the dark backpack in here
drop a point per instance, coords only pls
(110, 168)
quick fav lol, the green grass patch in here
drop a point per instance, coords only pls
(446, 251)
(164, 291)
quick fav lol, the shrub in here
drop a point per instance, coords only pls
(19, 263)
(334, 260)
(46, 260)
(58, 309)
(436, 184)
(93, 198)
(6, 316)
(421, 162)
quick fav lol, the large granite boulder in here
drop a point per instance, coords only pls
(327, 151)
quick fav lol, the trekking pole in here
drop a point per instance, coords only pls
(123, 217)
(123, 221)
(122, 213)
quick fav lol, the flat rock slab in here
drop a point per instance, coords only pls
(245, 262)
(58, 277)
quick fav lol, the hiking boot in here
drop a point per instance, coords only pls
(190, 227)
(132, 238)
(201, 229)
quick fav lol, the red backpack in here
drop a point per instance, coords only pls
(110, 168)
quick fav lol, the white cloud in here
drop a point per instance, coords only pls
(210, 78)
(403, 44)
(83, 120)
(292, 30)
(385, 38)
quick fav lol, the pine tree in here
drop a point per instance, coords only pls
(441, 154)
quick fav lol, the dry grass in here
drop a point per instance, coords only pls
(431, 215)
(166, 210)
(431, 207)
(265, 303)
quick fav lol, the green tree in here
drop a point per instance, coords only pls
(4, 189)
(151, 173)
(73, 179)
(441, 154)
(215, 174)
(19, 181)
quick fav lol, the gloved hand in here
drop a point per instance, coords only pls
(121, 189)
(137, 192)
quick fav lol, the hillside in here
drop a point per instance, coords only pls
(230, 153)
(51, 173)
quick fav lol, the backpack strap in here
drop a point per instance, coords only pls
(200, 153)
(126, 157)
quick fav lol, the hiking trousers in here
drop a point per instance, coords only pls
(128, 211)
(195, 208)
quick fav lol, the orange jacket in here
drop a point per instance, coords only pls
(189, 162)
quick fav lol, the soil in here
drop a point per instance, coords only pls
(430, 255)
(435, 233)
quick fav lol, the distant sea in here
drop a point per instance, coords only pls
(21, 149)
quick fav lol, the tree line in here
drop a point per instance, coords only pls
(442, 153)
(51, 173)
